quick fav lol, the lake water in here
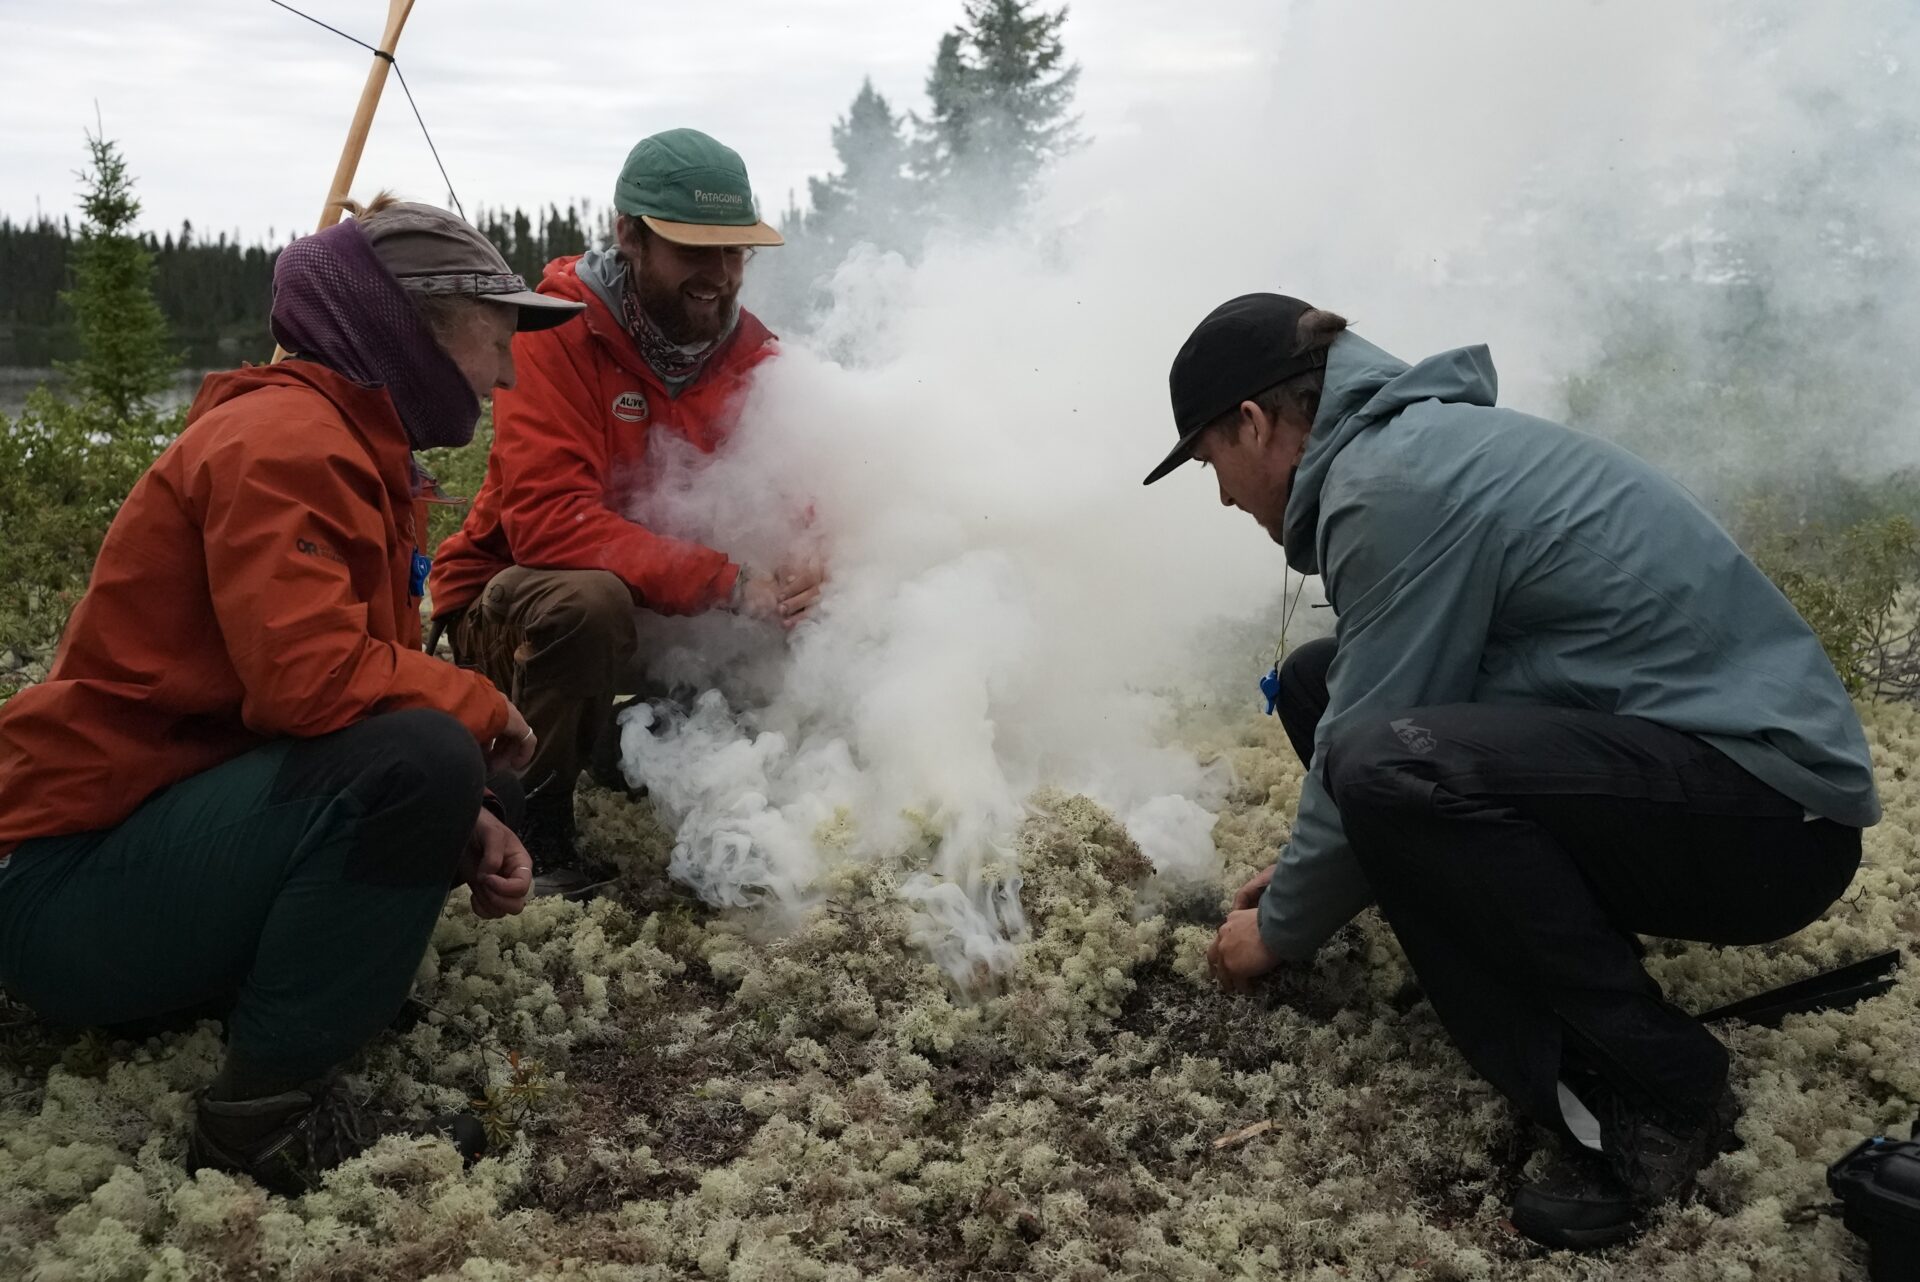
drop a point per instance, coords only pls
(16, 383)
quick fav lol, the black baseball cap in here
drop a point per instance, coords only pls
(1242, 348)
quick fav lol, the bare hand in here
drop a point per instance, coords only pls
(496, 868)
(785, 597)
(1248, 896)
(801, 582)
(513, 749)
(1238, 956)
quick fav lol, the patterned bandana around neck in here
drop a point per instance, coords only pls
(336, 303)
(672, 361)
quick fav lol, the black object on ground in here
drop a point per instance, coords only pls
(1835, 989)
(1878, 1185)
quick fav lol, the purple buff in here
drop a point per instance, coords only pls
(335, 302)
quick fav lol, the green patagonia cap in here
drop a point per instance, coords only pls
(692, 190)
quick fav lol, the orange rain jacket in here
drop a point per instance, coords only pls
(569, 451)
(255, 585)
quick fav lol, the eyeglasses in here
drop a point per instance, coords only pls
(691, 254)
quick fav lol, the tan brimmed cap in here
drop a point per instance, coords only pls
(691, 190)
(434, 252)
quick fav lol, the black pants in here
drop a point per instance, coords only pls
(1517, 851)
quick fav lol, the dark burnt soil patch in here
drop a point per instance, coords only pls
(634, 1096)
(1207, 1022)
(643, 1090)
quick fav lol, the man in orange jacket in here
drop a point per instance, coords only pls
(538, 588)
(243, 789)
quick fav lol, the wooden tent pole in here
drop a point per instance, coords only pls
(342, 186)
(397, 11)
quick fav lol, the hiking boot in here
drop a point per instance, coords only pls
(547, 830)
(604, 765)
(548, 834)
(1586, 1200)
(1656, 1155)
(287, 1142)
(570, 883)
(1577, 1204)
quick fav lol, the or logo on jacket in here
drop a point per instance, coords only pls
(309, 547)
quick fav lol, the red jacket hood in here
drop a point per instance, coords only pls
(367, 411)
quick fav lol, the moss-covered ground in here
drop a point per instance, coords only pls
(681, 1094)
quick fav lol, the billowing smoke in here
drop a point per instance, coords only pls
(997, 621)
(1725, 185)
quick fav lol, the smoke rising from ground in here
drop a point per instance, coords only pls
(1708, 207)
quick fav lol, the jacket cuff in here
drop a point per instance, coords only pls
(728, 585)
(1282, 937)
(494, 721)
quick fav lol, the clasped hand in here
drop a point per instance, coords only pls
(786, 596)
(497, 868)
(1238, 955)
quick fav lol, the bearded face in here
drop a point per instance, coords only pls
(691, 292)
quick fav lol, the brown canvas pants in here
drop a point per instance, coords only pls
(559, 643)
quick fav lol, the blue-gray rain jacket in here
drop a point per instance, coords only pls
(1479, 555)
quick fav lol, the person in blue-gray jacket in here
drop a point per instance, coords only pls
(1561, 709)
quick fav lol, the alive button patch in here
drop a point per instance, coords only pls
(630, 407)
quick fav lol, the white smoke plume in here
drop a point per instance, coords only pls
(1009, 608)
(995, 622)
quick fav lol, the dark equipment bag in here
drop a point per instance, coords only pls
(1878, 1185)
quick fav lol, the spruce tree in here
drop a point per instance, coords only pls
(125, 361)
(525, 256)
(872, 199)
(1001, 108)
(66, 464)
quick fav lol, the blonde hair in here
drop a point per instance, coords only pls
(382, 201)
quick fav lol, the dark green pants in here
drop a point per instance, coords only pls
(295, 886)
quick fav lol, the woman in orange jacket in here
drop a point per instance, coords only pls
(244, 786)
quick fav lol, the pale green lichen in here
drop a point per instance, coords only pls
(751, 1098)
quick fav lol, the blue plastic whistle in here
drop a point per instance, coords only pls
(1270, 686)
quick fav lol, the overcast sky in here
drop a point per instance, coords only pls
(232, 112)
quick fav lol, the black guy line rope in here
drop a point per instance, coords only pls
(393, 62)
